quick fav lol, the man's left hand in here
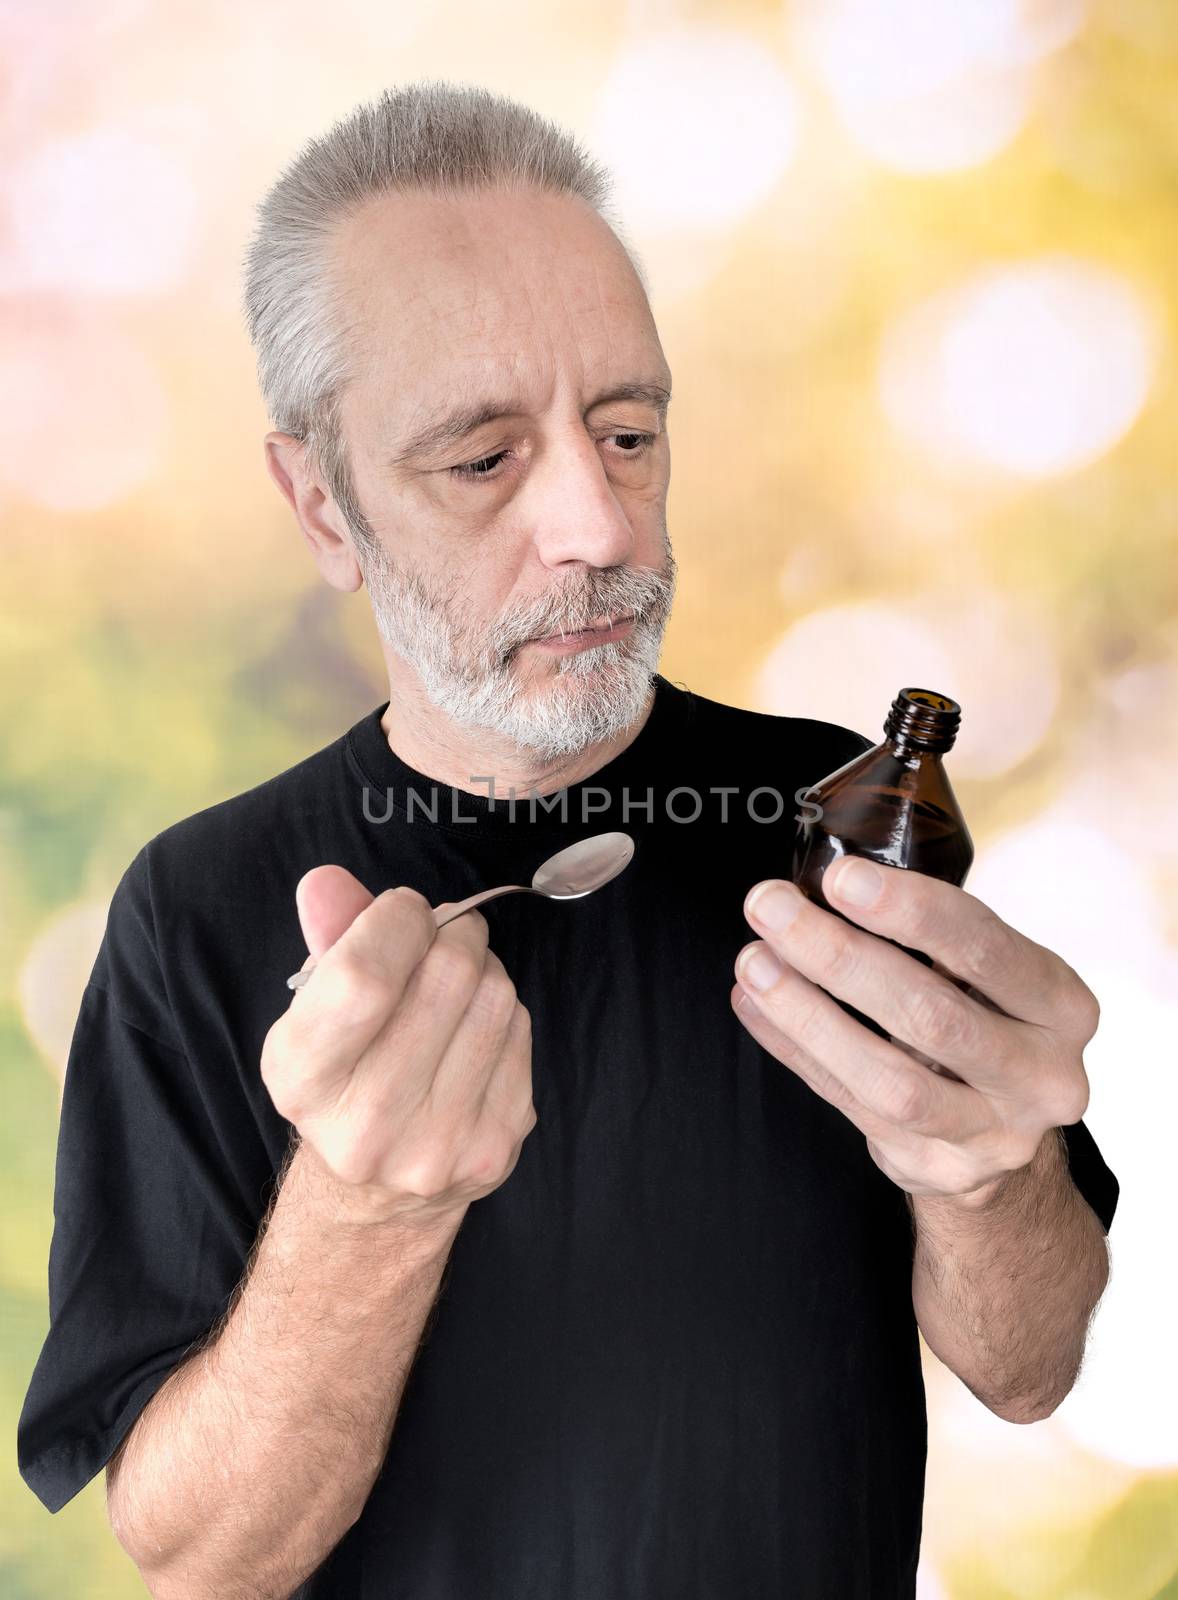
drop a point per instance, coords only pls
(974, 1072)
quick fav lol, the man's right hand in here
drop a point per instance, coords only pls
(405, 1061)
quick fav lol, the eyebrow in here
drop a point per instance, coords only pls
(451, 427)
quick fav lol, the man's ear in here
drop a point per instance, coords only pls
(315, 510)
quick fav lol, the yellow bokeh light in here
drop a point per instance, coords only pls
(925, 88)
(697, 125)
(1036, 368)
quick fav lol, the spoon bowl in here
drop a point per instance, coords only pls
(570, 874)
(582, 867)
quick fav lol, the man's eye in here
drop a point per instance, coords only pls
(479, 469)
(640, 442)
(631, 444)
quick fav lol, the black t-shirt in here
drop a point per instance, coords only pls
(674, 1354)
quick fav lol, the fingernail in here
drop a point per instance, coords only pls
(759, 967)
(856, 882)
(774, 904)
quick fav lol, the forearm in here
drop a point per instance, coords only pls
(259, 1452)
(1005, 1282)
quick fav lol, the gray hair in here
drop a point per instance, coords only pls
(431, 136)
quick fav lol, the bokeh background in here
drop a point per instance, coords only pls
(914, 269)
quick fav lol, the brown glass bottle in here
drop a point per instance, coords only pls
(893, 804)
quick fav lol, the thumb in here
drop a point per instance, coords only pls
(329, 899)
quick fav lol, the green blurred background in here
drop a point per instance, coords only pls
(913, 267)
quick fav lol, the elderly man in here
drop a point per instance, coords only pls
(533, 1256)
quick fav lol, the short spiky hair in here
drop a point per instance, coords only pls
(432, 136)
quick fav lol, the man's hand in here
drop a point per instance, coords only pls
(1003, 1016)
(405, 1062)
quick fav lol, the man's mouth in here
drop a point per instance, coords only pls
(600, 631)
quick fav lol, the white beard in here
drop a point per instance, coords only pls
(592, 696)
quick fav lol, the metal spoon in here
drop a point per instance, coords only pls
(570, 874)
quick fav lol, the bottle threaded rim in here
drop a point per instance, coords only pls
(923, 719)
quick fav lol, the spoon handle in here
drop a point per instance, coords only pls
(441, 918)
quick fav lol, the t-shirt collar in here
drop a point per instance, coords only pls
(612, 797)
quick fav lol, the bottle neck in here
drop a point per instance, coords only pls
(912, 755)
(922, 723)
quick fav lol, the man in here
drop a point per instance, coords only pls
(533, 1256)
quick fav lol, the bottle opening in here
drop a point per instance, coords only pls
(923, 719)
(926, 697)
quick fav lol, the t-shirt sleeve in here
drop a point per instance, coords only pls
(1091, 1173)
(148, 1241)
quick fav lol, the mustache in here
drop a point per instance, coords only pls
(621, 592)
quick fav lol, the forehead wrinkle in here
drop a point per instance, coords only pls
(480, 313)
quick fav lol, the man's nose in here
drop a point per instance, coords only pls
(574, 511)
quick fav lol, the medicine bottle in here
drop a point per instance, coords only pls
(893, 804)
